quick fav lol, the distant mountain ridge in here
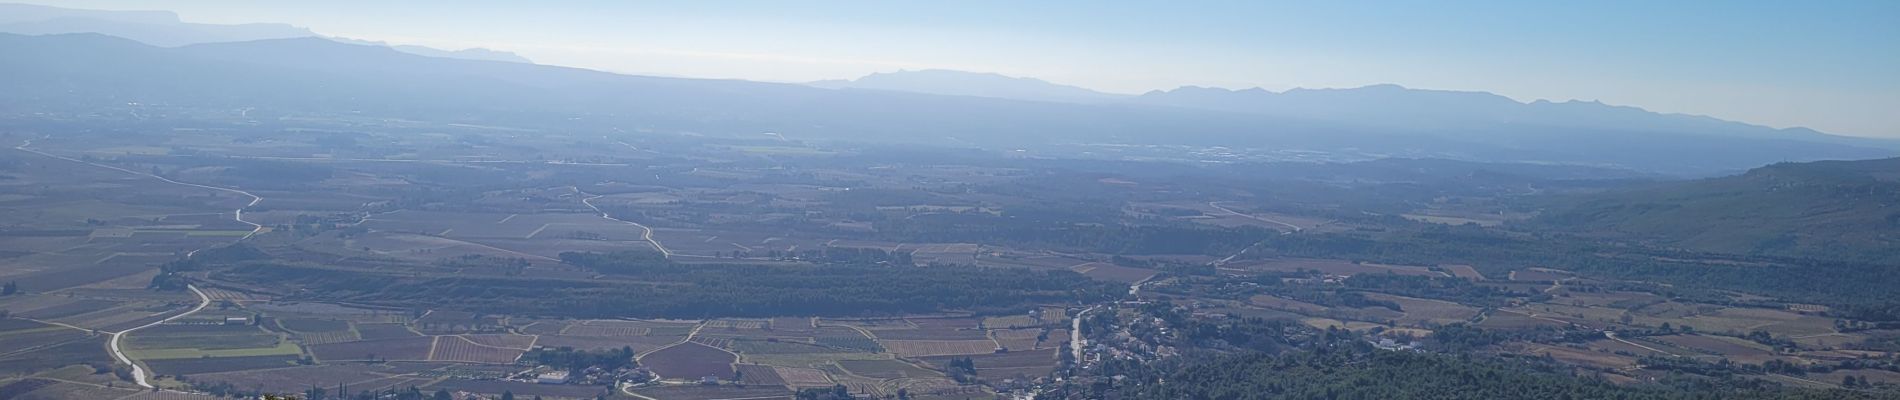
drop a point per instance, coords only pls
(87, 74)
(1397, 106)
(1465, 115)
(158, 28)
(960, 83)
(1827, 210)
(165, 29)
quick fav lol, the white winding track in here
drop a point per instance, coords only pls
(138, 372)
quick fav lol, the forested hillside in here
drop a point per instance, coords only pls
(1843, 210)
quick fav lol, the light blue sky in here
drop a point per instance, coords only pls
(1831, 65)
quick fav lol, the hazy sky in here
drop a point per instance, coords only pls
(1831, 65)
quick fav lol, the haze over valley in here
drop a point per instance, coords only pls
(200, 209)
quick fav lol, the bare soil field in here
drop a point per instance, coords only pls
(1574, 356)
(384, 331)
(1514, 321)
(413, 348)
(1114, 273)
(920, 348)
(1744, 320)
(690, 361)
(702, 392)
(753, 374)
(1032, 363)
(885, 369)
(639, 344)
(1463, 271)
(1278, 303)
(1539, 275)
(461, 349)
(1425, 312)
(297, 378)
(803, 377)
(522, 342)
(194, 366)
(1737, 350)
(520, 389)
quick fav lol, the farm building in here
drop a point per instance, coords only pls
(552, 378)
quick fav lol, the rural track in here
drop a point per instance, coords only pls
(118, 352)
(1296, 228)
(1612, 336)
(647, 235)
(1075, 334)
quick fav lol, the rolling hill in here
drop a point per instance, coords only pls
(1842, 210)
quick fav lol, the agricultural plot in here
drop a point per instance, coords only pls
(1604, 360)
(803, 377)
(1025, 339)
(296, 379)
(296, 310)
(522, 342)
(639, 344)
(1114, 273)
(793, 325)
(736, 324)
(847, 339)
(1463, 271)
(1743, 320)
(1330, 267)
(200, 341)
(920, 348)
(713, 341)
(520, 389)
(38, 388)
(754, 346)
(543, 327)
(86, 349)
(936, 329)
(1539, 275)
(169, 396)
(1014, 364)
(705, 392)
(1326, 323)
(885, 369)
(690, 361)
(1627, 349)
(945, 254)
(1013, 321)
(1284, 304)
(194, 366)
(461, 349)
(752, 374)
(384, 331)
(1734, 349)
(17, 335)
(1504, 320)
(1428, 312)
(319, 331)
(413, 348)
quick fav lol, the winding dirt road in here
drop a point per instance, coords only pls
(138, 372)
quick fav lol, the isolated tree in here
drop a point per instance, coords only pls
(442, 394)
(507, 395)
(9, 289)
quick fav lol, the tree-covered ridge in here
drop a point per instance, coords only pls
(1840, 210)
(1351, 374)
(1843, 284)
